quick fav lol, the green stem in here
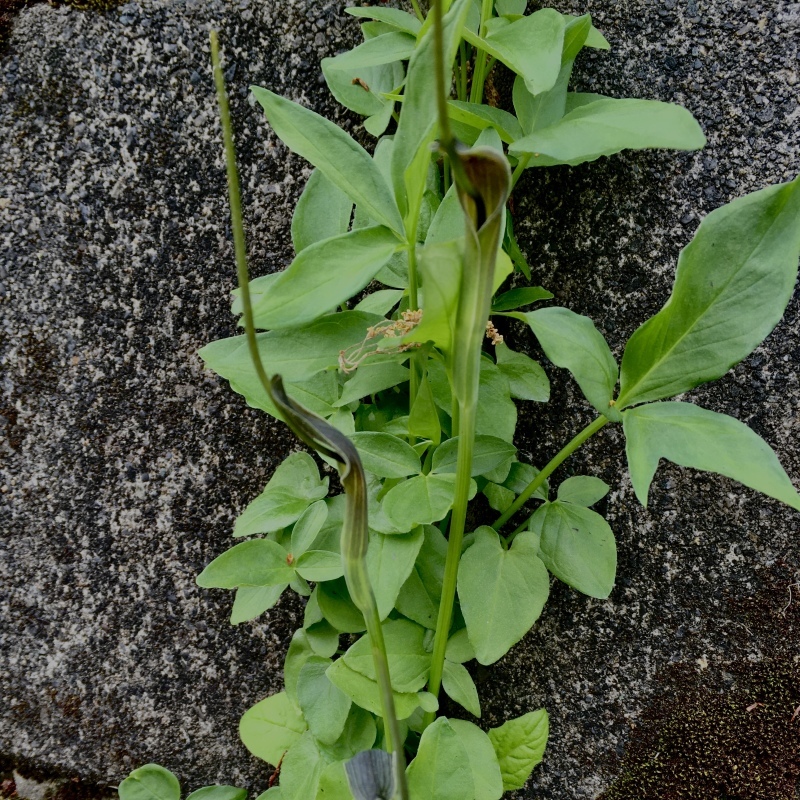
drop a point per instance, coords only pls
(418, 11)
(522, 165)
(355, 563)
(466, 442)
(550, 468)
(235, 199)
(479, 76)
(462, 71)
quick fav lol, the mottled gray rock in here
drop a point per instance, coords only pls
(123, 465)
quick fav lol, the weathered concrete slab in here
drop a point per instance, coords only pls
(123, 464)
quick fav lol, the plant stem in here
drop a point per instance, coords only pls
(522, 165)
(466, 441)
(479, 76)
(418, 11)
(549, 469)
(355, 487)
(234, 193)
(462, 71)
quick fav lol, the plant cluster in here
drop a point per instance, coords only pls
(377, 347)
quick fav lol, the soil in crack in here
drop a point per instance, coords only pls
(731, 733)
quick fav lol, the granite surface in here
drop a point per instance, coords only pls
(123, 464)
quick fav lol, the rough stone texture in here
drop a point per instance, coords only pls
(124, 465)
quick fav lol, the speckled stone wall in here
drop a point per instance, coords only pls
(123, 464)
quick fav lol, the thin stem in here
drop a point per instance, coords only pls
(479, 76)
(550, 468)
(466, 441)
(418, 11)
(462, 71)
(355, 566)
(234, 193)
(522, 165)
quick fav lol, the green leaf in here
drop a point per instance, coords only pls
(531, 47)
(301, 769)
(441, 768)
(318, 394)
(520, 475)
(308, 527)
(380, 302)
(409, 661)
(391, 16)
(337, 607)
(482, 759)
(393, 46)
(488, 453)
(297, 354)
(252, 601)
(511, 7)
(364, 692)
(385, 455)
(577, 545)
(150, 782)
(324, 706)
(390, 560)
(419, 598)
(459, 649)
(499, 497)
(323, 638)
(460, 687)
(731, 287)
(372, 378)
(423, 421)
(526, 379)
(517, 298)
(271, 727)
(571, 341)
(294, 486)
(418, 119)
(323, 276)
(323, 211)
(359, 734)
(440, 267)
(691, 436)
(609, 126)
(519, 745)
(320, 565)
(481, 116)
(258, 562)
(420, 500)
(583, 490)
(299, 652)
(333, 783)
(362, 89)
(497, 413)
(447, 225)
(218, 793)
(502, 592)
(333, 152)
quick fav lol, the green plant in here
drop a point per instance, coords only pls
(393, 386)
